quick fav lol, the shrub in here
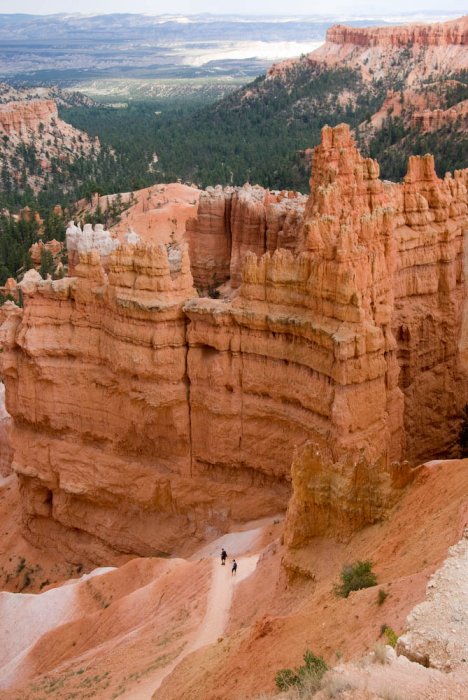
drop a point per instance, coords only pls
(354, 577)
(390, 635)
(286, 678)
(307, 676)
(381, 596)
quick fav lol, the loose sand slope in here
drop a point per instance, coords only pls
(119, 631)
(172, 628)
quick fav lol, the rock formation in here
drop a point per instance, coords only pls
(436, 633)
(6, 453)
(452, 33)
(143, 414)
(19, 118)
(429, 297)
(36, 125)
(158, 213)
(234, 221)
(378, 50)
(210, 239)
(432, 120)
(90, 238)
(54, 247)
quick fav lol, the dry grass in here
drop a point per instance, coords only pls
(334, 685)
(380, 654)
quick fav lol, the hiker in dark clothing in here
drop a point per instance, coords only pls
(223, 556)
(234, 567)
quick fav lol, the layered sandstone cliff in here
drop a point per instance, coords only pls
(430, 294)
(452, 33)
(396, 51)
(144, 415)
(234, 221)
(51, 142)
(19, 117)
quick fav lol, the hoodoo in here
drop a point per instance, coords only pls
(143, 415)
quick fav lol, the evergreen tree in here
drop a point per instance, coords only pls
(47, 263)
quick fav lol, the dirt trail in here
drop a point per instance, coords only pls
(218, 603)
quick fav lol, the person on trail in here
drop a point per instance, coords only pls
(223, 556)
(234, 567)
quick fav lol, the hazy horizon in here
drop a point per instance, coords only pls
(242, 7)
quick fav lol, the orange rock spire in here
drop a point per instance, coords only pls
(143, 414)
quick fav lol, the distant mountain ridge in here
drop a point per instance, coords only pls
(70, 47)
(403, 89)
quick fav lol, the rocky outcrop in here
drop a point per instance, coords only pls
(232, 222)
(454, 32)
(109, 430)
(209, 238)
(336, 498)
(90, 238)
(158, 214)
(51, 143)
(19, 117)
(143, 414)
(53, 247)
(436, 633)
(432, 120)
(305, 351)
(429, 290)
(6, 453)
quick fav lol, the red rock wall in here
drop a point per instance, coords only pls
(16, 117)
(97, 385)
(6, 452)
(235, 221)
(441, 34)
(209, 238)
(429, 298)
(146, 418)
(305, 351)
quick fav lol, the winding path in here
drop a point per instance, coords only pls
(218, 602)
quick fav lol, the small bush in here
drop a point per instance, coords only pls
(381, 596)
(21, 565)
(391, 636)
(286, 678)
(305, 677)
(354, 577)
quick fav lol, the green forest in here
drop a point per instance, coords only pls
(256, 134)
(233, 141)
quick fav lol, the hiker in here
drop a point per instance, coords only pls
(234, 567)
(223, 556)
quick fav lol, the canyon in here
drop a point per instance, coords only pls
(147, 420)
(281, 375)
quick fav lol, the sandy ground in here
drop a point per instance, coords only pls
(219, 599)
(85, 636)
(171, 628)
(22, 566)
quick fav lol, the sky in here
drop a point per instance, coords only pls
(228, 7)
